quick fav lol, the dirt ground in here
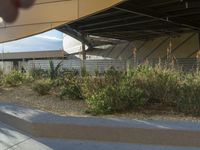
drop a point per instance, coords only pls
(25, 96)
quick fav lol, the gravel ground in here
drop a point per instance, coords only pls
(25, 96)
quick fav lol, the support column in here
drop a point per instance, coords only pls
(83, 51)
(83, 67)
(198, 56)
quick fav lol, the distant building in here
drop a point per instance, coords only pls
(18, 60)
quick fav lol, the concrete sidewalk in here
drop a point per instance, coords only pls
(11, 139)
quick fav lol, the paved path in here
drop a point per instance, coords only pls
(108, 134)
(11, 139)
(37, 116)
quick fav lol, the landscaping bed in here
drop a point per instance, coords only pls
(25, 96)
(143, 92)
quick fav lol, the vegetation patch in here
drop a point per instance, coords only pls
(71, 90)
(14, 78)
(143, 87)
(43, 86)
(38, 73)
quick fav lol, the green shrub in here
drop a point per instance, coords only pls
(84, 72)
(96, 72)
(71, 89)
(1, 73)
(1, 78)
(160, 84)
(142, 86)
(54, 71)
(189, 101)
(90, 85)
(113, 76)
(104, 101)
(163, 86)
(112, 93)
(14, 78)
(38, 73)
(129, 92)
(111, 99)
(70, 72)
(28, 80)
(120, 95)
(69, 84)
(42, 87)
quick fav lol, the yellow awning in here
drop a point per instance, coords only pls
(48, 14)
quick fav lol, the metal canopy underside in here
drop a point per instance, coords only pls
(142, 19)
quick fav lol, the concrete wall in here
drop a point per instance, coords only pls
(6, 66)
(183, 46)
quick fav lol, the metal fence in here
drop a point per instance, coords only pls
(184, 64)
(90, 65)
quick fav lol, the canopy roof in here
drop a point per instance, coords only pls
(48, 14)
(141, 19)
(52, 54)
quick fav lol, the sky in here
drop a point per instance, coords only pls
(51, 40)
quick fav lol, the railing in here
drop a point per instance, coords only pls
(91, 65)
(184, 64)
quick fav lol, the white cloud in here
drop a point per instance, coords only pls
(52, 38)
